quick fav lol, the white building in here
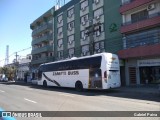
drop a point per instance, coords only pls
(23, 67)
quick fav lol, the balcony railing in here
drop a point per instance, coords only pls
(145, 18)
(42, 28)
(42, 60)
(42, 49)
(41, 39)
(131, 4)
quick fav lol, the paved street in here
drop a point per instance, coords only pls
(23, 97)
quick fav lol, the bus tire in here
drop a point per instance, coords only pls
(44, 83)
(79, 86)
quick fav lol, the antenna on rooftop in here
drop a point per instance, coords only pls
(7, 55)
(60, 3)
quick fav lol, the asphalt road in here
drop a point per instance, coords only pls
(15, 97)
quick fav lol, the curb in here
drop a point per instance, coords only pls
(140, 91)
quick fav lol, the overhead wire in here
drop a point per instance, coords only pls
(16, 52)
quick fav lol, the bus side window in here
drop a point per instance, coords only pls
(39, 74)
(33, 76)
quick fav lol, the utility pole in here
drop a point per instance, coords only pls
(16, 65)
(16, 57)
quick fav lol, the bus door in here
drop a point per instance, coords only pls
(95, 78)
(39, 74)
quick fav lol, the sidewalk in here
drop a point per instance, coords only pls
(142, 89)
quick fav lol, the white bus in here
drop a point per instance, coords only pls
(99, 71)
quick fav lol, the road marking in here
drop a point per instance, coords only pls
(30, 100)
(2, 91)
(68, 95)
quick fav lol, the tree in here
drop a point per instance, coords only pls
(0, 70)
(8, 71)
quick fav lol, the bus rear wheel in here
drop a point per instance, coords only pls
(79, 86)
(44, 83)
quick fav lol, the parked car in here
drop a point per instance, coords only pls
(4, 79)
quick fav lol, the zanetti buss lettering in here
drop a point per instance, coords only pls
(65, 73)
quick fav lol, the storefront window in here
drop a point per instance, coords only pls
(150, 75)
(143, 38)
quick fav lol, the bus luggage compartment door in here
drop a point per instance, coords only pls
(95, 78)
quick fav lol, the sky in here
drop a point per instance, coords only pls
(15, 19)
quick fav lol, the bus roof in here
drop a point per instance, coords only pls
(75, 58)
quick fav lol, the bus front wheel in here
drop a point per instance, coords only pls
(79, 86)
(44, 83)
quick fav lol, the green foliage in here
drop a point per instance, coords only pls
(8, 71)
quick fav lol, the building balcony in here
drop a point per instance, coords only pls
(130, 4)
(42, 60)
(42, 39)
(42, 49)
(141, 51)
(42, 28)
(150, 21)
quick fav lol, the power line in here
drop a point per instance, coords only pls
(16, 52)
(23, 49)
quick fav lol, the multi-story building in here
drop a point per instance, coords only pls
(23, 67)
(141, 40)
(87, 27)
(42, 39)
(79, 28)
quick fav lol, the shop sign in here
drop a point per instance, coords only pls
(113, 27)
(150, 62)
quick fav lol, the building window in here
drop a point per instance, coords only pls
(84, 19)
(60, 43)
(43, 23)
(84, 34)
(98, 29)
(96, 1)
(50, 19)
(47, 54)
(60, 19)
(124, 41)
(60, 31)
(29, 57)
(143, 38)
(85, 49)
(70, 39)
(98, 13)
(60, 54)
(142, 15)
(70, 12)
(71, 52)
(51, 54)
(70, 26)
(99, 46)
(84, 4)
(126, 2)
